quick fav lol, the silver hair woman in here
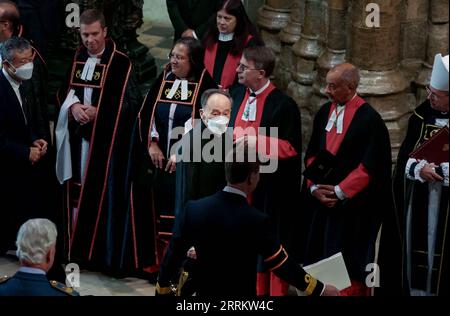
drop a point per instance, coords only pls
(36, 242)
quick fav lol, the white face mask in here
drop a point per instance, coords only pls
(218, 124)
(23, 72)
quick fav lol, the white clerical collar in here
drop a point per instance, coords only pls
(15, 84)
(234, 191)
(337, 117)
(226, 37)
(262, 89)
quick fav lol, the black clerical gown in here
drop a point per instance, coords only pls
(98, 233)
(195, 177)
(414, 194)
(153, 190)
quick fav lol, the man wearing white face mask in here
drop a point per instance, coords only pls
(21, 144)
(200, 162)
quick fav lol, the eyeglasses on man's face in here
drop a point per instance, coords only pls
(434, 95)
(243, 67)
(176, 57)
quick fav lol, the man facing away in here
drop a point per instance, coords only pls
(228, 235)
(36, 241)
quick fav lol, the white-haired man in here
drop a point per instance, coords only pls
(35, 243)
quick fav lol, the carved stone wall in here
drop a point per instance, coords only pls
(395, 58)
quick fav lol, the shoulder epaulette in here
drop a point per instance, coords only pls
(4, 278)
(63, 288)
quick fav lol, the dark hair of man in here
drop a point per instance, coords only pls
(91, 16)
(244, 27)
(196, 55)
(11, 14)
(10, 46)
(241, 163)
(263, 57)
(208, 93)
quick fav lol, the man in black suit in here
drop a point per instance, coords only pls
(21, 145)
(192, 18)
(228, 235)
(36, 241)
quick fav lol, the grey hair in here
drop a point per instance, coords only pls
(208, 93)
(10, 46)
(35, 239)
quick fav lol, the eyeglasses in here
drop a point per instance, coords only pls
(433, 95)
(244, 67)
(177, 57)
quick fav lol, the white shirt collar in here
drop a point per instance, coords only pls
(32, 270)
(226, 37)
(263, 88)
(15, 85)
(234, 191)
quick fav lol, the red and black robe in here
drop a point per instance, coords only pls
(276, 192)
(362, 171)
(97, 236)
(222, 64)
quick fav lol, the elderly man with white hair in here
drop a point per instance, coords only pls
(421, 187)
(35, 243)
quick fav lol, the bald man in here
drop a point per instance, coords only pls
(346, 206)
(9, 19)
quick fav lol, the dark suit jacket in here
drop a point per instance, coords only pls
(195, 14)
(15, 169)
(228, 236)
(29, 284)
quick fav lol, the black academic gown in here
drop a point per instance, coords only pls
(420, 128)
(98, 238)
(197, 179)
(351, 227)
(153, 190)
(277, 193)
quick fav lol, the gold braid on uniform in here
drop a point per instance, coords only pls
(166, 290)
(276, 260)
(312, 283)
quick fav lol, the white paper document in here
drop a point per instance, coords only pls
(331, 270)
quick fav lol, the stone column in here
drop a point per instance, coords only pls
(335, 52)
(437, 43)
(376, 52)
(413, 36)
(305, 53)
(272, 18)
(288, 36)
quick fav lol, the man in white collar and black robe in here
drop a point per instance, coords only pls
(347, 206)
(259, 104)
(99, 106)
(421, 191)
